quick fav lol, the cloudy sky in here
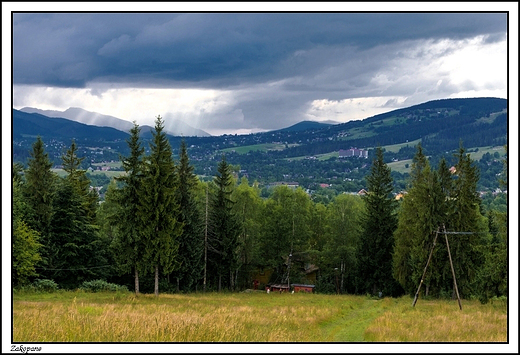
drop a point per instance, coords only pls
(251, 72)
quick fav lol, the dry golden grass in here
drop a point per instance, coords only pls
(254, 317)
(170, 318)
(441, 321)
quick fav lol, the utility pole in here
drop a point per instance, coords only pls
(206, 240)
(425, 268)
(452, 269)
(289, 270)
(451, 264)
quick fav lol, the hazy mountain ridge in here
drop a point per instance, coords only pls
(306, 125)
(440, 125)
(174, 128)
(34, 124)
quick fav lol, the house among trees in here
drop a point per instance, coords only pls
(353, 152)
(277, 288)
(290, 184)
(302, 288)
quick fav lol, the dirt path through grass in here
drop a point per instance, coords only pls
(350, 327)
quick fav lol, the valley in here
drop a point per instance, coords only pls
(306, 153)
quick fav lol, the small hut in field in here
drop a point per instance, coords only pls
(302, 288)
(278, 288)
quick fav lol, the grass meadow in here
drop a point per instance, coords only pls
(78, 316)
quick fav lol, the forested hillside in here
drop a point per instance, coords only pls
(163, 229)
(308, 154)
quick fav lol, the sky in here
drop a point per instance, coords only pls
(239, 73)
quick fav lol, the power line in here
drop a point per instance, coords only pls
(83, 268)
(461, 232)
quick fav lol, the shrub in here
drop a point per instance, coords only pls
(45, 285)
(101, 285)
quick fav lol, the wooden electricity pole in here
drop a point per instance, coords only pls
(206, 240)
(451, 264)
(425, 268)
(452, 269)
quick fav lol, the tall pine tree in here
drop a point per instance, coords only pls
(225, 228)
(39, 189)
(191, 241)
(80, 182)
(422, 212)
(465, 216)
(73, 249)
(160, 209)
(378, 224)
(128, 243)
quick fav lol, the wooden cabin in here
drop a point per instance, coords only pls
(277, 288)
(302, 288)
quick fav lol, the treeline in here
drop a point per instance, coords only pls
(161, 228)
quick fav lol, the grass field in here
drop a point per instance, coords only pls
(250, 317)
(394, 148)
(400, 166)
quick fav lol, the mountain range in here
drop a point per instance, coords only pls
(174, 127)
(440, 125)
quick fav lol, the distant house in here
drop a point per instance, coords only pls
(277, 287)
(400, 195)
(362, 192)
(353, 152)
(302, 288)
(292, 185)
(311, 273)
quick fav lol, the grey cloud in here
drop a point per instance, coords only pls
(211, 49)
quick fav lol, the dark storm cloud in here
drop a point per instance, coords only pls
(216, 50)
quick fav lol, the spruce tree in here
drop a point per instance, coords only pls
(39, 189)
(159, 210)
(127, 244)
(224, 226)
(191, 241)
(73, 255)
(79, 180)
(465, 216)
(378, 224)
(422, 212)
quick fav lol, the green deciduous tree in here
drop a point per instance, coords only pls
(247, 208)
(285, 232)
(345, 214)
(378, 225)
(26, 244)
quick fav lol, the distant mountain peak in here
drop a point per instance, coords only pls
(305, 125)
(174, 128)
